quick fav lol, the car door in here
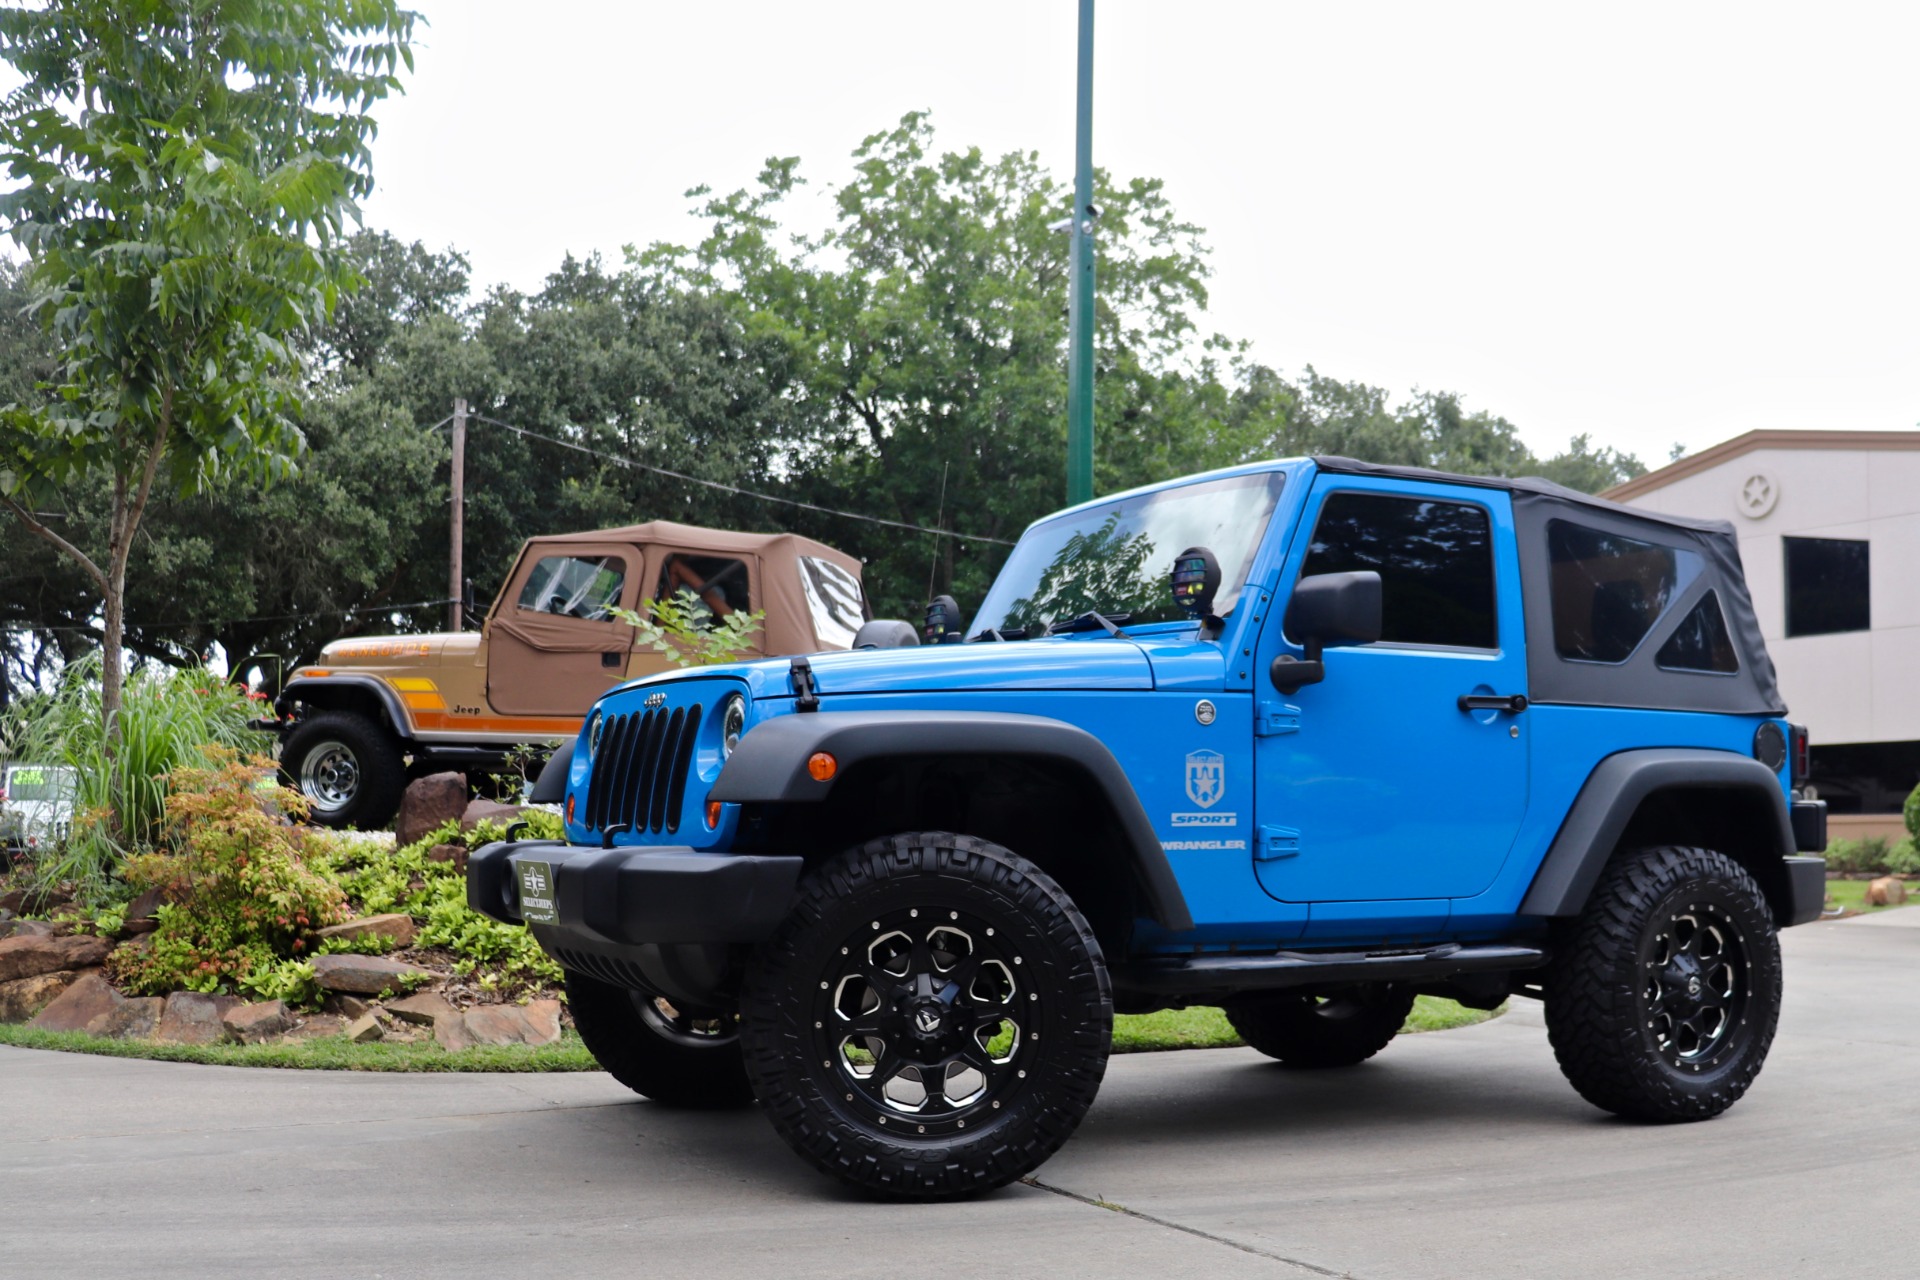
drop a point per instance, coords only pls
(1377, 785)
(553, 644)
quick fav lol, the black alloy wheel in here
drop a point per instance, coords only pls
(932, 1020)
(1661, 1003)
(679, 1058)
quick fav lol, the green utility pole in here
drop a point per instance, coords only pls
(1080, 282)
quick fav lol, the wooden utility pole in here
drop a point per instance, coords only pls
(454, 590)
(1080, 279)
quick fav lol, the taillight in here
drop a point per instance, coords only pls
(1802, 753)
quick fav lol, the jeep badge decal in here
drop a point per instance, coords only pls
(1206, 778)
(1204, 712)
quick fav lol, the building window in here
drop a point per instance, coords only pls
(1826, 586)
(1435, 561)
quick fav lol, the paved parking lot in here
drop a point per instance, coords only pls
(1454, 1154)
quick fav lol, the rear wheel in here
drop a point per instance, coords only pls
(347, 767)
(1338, 1030)
(932, 1020)
(1663, 1003)
(680, 1058)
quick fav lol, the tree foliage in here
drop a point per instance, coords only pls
(185, 170)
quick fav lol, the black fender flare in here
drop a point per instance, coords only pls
(1608, 801)
(770, 766)
(380, 689)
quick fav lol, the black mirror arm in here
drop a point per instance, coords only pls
(1290, 674)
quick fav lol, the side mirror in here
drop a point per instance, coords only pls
(468, 609)
(1327, 609)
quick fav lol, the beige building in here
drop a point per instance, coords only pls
(1829, 525)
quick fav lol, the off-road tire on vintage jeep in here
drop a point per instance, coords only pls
(676, 1058)
(1340, 1030)
(348, 768)
(1662, 1001)
(935, 965)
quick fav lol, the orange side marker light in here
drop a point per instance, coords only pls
(822, 766)
(713, 814)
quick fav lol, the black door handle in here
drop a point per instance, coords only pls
(1511, 703)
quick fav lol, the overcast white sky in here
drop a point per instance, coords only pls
(1650, 222)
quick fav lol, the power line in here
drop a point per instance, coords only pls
(370, 611)
(734, 489)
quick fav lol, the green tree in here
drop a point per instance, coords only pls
(185, 168)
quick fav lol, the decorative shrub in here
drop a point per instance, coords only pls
(242, 900)
(120, 802)
(1853, 856)
(1903, 859)
(1911, 812)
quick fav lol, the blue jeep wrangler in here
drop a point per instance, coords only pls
(1302, 739)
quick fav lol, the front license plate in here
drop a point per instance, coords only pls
(536, 893)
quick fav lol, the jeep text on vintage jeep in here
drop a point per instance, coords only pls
(1300, 739)
(549, 646)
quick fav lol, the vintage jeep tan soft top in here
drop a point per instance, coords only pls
(549, 646)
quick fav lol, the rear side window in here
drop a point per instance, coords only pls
(1435, 561)
(575, 586)
(1608, 590)
(1700, 642)
(718, 585)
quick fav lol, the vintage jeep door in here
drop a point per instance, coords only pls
(1375, 784)
(553, 645)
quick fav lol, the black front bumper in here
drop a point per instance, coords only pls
(633, 897)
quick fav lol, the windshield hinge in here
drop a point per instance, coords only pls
(804, 696)
(1277, 843)
(1272, 719)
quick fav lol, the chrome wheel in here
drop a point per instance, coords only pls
(330, 775)
(1695, 990)
(929, 1020)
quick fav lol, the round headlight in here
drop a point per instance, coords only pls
(593, 734)
(733, 720)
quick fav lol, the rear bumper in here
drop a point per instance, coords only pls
(1806, 889)
(1810, 826)
(632, 897)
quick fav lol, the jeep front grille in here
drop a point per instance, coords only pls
(640, 771)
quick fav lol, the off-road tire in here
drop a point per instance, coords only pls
(1340, 1030)
(876, 920)
(677, 1059)
(379, 775)
(1623, 1018)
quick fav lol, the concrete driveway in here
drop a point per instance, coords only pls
(1455, 1154)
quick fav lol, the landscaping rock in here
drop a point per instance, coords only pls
(28, 955)
(424, 1008)
(543, 1019)
(90, 996)
(1887, 891)
(134, 1019)
(480, 811)
(451, 1033)
(365, 1029)
(27, 929)
(429, 802)
(33, 902)
(318, 1026)
(192, 1018)
(397, 929)
(366, 975)
(454, 853)
(347, 1007)
(509, 1024)
(22, 998)
(142, 913)
(252, 1023)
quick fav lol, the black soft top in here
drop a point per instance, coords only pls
(1638, 681)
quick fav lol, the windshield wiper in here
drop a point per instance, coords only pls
(1093, 622)
(993, 633)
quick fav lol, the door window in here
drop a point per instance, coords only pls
(1435, 561)
(575, 586)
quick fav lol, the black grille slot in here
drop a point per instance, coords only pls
(640, 771)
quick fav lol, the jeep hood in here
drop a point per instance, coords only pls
(390, 651)
(1061, 662)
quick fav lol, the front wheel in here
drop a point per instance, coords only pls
(1340, 1030)
(1663, 1004)
(679, 1058)
(932, 1020)
(347, 767)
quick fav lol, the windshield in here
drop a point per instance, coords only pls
(1116, 557)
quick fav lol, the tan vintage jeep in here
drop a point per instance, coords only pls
(376, 710)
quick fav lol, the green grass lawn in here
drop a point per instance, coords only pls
(1132, 1033)
(1852, 895)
